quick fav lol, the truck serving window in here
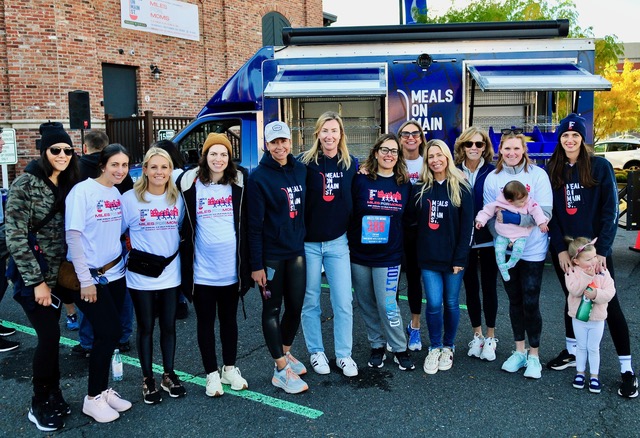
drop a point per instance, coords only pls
(191, 145)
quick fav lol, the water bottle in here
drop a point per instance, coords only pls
(116, 365)
(584, 309)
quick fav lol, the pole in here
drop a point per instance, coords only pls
(400, 2)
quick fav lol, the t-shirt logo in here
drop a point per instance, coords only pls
(436, 212)
(330, 182)
(572, 197)
(294, 199)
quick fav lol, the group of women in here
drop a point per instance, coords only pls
(410, 199)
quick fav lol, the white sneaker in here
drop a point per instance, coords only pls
(431, 361)
(476, 345)
(98, 409)
(320, 363)
(214, 386)
(233, 378)
(446, 359)
(348, 366)
(114, 400)
(489, 349)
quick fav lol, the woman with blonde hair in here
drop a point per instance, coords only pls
(330, 172)
(152, 211)
(442, 206)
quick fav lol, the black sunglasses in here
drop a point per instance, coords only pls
(514, 131)
(55, 150)
(407, 134)
(469, 144)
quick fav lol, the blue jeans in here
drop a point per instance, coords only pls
(334, 255)
(442, 288)
(85, 333)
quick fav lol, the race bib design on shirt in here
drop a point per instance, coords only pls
(572, 197)
(212, 207)
(294, 198)
(330, 182)
(384, 201)
(108, 210)
(155, 219)
(436, 212)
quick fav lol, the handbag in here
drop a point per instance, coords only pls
(147, 264)
(67, 277)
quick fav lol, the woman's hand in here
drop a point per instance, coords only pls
(457, 269)
(565, 262)
(42, 294)
(89, 294)
(259, 277)
(602, 264)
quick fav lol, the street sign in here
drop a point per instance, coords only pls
(9, 153)
(166, 134)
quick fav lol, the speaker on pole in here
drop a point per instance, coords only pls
(79, 110)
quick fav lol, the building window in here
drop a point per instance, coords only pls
(272, 25)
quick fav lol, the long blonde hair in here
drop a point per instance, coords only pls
(142, 184)
(525, 153)
(454, 176)
(343, 152)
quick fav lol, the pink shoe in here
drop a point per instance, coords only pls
(114, 400)
(99, 410)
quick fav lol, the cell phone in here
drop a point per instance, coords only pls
(55, 301)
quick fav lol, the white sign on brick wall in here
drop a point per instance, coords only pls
(165, 17)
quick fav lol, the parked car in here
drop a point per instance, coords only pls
(621, 152)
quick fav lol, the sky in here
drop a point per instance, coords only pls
(607, 17)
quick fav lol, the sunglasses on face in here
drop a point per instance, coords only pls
(514, 131)
(387, 151)
(407, 134)
(470, 144)
(55, 150)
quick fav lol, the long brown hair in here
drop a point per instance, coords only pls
(229, 174)
(371, 163)
(559, 173)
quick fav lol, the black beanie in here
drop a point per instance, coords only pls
(52, 133)
(573, 122)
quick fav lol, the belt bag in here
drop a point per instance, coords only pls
(68, 279)
(148, 264)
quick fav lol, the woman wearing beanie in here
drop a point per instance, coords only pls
(35, 210)
(276, 194)
(93, 222)
(585, 203)
(214, 256)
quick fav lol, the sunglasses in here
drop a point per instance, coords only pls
(55, 150)
(407, 134)
(514, 131)
(387, 151)
(470, 144)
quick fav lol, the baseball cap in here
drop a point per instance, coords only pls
(275, 130)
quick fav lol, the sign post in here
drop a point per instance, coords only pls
(166, 134)
(8, 155)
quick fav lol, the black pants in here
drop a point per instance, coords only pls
(148, 304)
(412, 271)
(615, 318)
(104, 316)
(523, 291)
(288, 284)
(485, 258)
(46, 356)
(209, 301)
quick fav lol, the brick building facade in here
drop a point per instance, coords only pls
(48, 48)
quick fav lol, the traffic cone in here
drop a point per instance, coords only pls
(637, 246)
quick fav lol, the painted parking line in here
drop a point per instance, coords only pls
(200, 381)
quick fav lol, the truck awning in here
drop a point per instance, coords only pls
(312, 80)
(541, 76)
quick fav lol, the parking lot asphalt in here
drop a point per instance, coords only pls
(474, 398)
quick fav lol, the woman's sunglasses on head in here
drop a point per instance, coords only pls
(514, 131)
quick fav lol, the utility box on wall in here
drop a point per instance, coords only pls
(79, 110)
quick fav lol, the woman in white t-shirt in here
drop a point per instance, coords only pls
(153, 211)
(93, 219)
(214, 254)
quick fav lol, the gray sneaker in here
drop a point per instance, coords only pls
(288, 380)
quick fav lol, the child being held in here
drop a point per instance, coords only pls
(514, 198)
(599, 288)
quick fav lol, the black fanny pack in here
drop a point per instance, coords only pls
(148, 264)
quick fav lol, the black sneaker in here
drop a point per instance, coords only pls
(150, 393)
(44, 417)
(81, 351)
(171, 384)
(404, 361)
(562, 362)
(7, 345)
(377, 358)
(58, 403)
(6, 331)
(182, 311)
(629, 385)
(124, 347)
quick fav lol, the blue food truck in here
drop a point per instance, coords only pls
(446, 76)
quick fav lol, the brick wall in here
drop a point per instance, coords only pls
(48, 48)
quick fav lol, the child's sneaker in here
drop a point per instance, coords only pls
(489, 349)
(594, 385)
(150, 393)
(629, 385)
(72, 322)
(404, 361)
(297, 366)
(348, 366)
(415, 343)
(213, 387)
(171, 383)
(320, 363)
(288, 380)
(98, 409)
(578, 381)
(431, 361)
(233, 378)
(376, 360)
(534, 368)
(515, 362)
(446, 359)
(475, 346)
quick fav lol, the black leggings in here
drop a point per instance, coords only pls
(288, 283)
(148, 304)
(523, 291)
(223, 301)
(46, 356)
(412, 271)
(486, 258)
(104, 316)
(615, 318)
